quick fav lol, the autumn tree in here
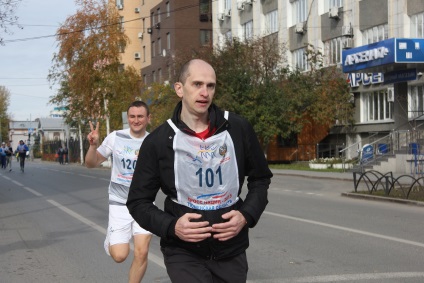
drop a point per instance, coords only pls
(7, 16)
(87, 66)
(4, 118)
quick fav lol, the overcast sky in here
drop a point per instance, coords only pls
(24, 65)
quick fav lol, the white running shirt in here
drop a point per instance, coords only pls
(124, 149)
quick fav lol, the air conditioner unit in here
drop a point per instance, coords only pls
(240, 5)
(347, 31)
(120, 7)
(137, 55)
(347, 43)
(137, 10)
(391, 94)
(220, 16)
(140, 35)
(300, 28)
(149, 30)
(333, 13)
(157, 26)
(166, 82)
(227, 13)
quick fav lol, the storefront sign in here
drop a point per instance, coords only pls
(357, 79)
(389, 51)
(400, 76)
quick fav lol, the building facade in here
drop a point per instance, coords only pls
(158, 30)
(335, 27)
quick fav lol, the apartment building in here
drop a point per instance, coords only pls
(159, 30)
(387, 95)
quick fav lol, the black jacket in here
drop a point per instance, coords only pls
(155, 170)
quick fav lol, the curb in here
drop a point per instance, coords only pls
(386, 199)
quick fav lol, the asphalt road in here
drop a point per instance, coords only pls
(53, 220)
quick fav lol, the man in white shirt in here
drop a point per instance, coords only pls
(123, 146)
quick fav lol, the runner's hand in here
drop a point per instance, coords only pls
(190, 231)
(231, 228)
(93, 136)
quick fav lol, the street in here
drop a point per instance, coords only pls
(53, 220)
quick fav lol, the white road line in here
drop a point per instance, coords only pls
(88, 176)
(399, 240)
(33, 192)
(354, 277)
(152, 257)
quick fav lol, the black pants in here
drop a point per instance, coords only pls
(22, 160)
(185, 267)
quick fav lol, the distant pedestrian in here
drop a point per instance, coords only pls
(3, 155)
(65, 154)
(22, 150)
(9, 156)
(60, 155)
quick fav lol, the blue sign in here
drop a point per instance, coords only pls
(367, 56)
(409, 50)
(367, 153)
(400, 76)
(389, 51)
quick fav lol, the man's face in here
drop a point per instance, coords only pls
(138, 119)
(199, 88)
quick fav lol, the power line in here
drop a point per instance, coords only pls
(95, 28)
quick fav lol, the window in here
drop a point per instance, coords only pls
(300, 11)
(332, 3)
(299, 59)
(119, 2)
(417, 25)
(416, 101)
(375, 34)
(228, 35)
(204, 7)
(153, 49)
(247, 30)
(152, 17)
(168, 41)
(121, 46)
(121, 68)
(159, 46)
(158, 15)
(333, 51)
(205, 37)
(271, 22)
(160, 75)
(144, 53)
(121, 23)
(154, 76)
(168, 9)
(376, 107)
(227, 5)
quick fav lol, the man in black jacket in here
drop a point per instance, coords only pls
(199, 159)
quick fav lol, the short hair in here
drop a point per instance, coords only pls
(184, 71)
(139, 103)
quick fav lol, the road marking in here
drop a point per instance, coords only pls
(151, 257)
(353, 277)
(399, 240)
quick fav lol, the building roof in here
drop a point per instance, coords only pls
(22, 124)
(51, 124)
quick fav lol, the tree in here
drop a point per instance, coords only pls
(4, 119)
(87, 65)
(7, 16)
(255, 81)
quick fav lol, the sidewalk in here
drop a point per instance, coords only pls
(344, 176)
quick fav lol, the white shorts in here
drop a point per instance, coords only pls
(121, 227)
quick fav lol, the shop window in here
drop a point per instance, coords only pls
(376, 107)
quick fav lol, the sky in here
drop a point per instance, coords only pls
(25, 65)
